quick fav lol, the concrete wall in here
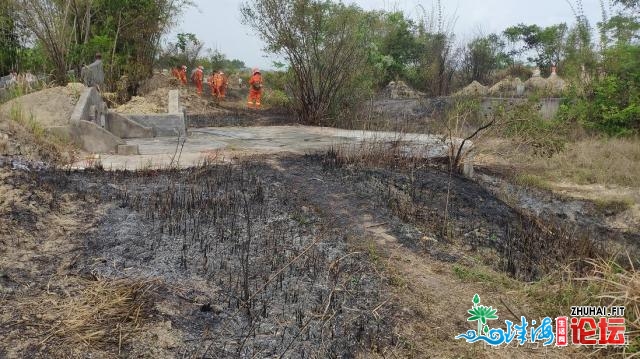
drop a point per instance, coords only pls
(164, 125)
(89, 136)
(548, 107)
(123, 127)
(90, 107)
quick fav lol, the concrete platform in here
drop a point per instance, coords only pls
(229, 142)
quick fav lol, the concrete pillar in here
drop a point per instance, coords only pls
(174, 102)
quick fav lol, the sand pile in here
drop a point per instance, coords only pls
(474, 89)
(399, 90)
(49, 107)
(508, 86)
(155, 102)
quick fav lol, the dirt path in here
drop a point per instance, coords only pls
(433, 302)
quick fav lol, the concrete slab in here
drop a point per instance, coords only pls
(227, 142)
(128, 150)
(164, 125)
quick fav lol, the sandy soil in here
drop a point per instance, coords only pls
(49, 107)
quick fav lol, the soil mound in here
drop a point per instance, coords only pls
(400, 90)
(49, 107)
(474, 89)
(507, 86)
(157, 101)
(556, 84)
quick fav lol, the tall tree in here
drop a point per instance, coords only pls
(323, 42)
(48, 21)
(9, 40)
(483, 56)
(544, 45)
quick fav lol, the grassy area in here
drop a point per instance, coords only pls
(486, 276)
(612, 161)
(603, 161)
(604, 283)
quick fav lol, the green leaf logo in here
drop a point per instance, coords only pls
(481, 313)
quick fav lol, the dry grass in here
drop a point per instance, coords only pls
(614, 161)
(370, 153)
(619, 287)
(4, 143)
(603, 282)
(602, 161)
(83, 315)
(32, 140)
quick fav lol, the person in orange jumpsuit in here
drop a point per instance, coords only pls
(197, 78)
(212, 83)
(175, 72)
(221, 85)
(183, 75)
(255, 89)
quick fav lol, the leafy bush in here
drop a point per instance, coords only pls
(611, 103)
(523, 120)
(276, 98)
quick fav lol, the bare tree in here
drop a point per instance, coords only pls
(324, 43)
(48, 21)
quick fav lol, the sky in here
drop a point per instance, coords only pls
(218, 22)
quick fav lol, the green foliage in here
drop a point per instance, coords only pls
(322, 42)
(611, 103)
(394, 47)
(483, 56)
(523, 121)
(545, 45)
(622, 29)
(276, 98)
(9, 42)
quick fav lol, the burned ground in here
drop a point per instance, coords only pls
(269, 257)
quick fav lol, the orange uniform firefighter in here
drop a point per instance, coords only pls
(220, 84)
(175, 72)
(183, 75)
(211, 81)
(255, 89)
(197, 77)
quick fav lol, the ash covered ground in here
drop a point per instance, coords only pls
(282, 256)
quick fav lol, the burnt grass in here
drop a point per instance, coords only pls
(256, 259)
(278, 282)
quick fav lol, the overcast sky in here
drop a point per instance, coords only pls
(217, 22)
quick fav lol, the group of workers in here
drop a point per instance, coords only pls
(218, 83)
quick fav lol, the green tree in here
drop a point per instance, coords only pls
(48, 21)
(483, 56)
(544, 45)
(323, 43)
(186, 50)
(394, 47)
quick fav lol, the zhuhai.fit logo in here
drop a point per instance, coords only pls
(585, 326)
